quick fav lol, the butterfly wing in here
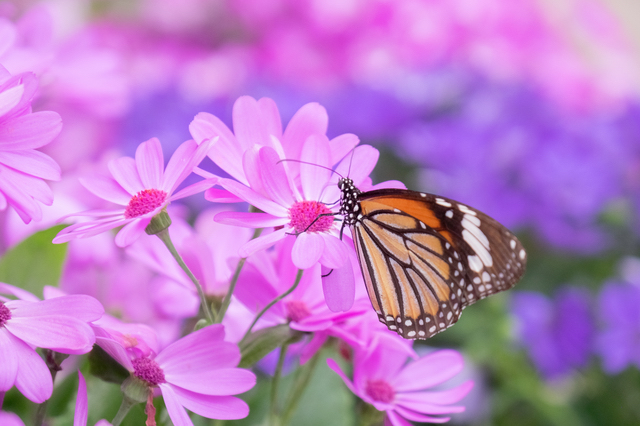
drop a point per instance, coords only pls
(425, 258)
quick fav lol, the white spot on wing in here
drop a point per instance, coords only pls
(443, 202)
(449, 214)
(522, 254)
(475, 263)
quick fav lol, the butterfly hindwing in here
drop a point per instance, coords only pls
(425, 258)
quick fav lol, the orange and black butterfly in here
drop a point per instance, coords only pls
(425, 258)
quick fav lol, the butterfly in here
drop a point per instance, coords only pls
(425, 258)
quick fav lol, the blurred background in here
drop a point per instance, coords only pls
(528, 110)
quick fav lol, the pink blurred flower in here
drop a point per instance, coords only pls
(59, 324)
(196, 372)
(143, 187)
(381, 378)
(10, 419)
(23, 168)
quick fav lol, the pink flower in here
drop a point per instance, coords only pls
(10, 419)
(382, 379)
(196, 372)
(23, 168)
(142, 187)
(59, 324)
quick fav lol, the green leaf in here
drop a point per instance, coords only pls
(35, 262)
(105, 367)
(260, 343)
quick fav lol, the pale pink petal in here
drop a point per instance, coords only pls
(342, 145)
(253, 198)
(33, 379)
(262, 242)
(248, 123)
(30, 131)
(124, 171)
(417, 417)
(18, 292)
(252, 169)
(216, 195)
(107, 188)
(195, 188)
(360, 166)
(84, 230)
(175, 352)
(274, 178)
(339, 288)
(60, 333)
(387, 184)
(18, 196)
(311, 119)
(428, 371)
(79, 306)
(250, 220)
(307, 250)
(226, 153)
(113, 348)
(335, 253)
(313, 346)
(315, 175)
(150, 163)
(419, 401)
(8, 361)
(131, 232)
(271, 117)
(82, 403)
(396, 419)
(208, 380)
(32, 186)
(32, 162)
(181, 164)
(10, 98)
(212, 407)
(336, 368)
(177, 413)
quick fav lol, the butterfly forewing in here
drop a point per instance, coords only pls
(424, 258)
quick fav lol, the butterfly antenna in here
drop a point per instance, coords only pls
(311, 164)
(353, 151)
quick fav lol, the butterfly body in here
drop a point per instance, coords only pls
(424, 258)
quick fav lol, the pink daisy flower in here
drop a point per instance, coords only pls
(197, 372)
(23, 168)
(59, 324)
(143, 187)
(382, 378)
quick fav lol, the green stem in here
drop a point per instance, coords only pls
(53, 361)
(302, 379)
(126, 405)
(234, 281)
(274, 301)
(166, 239)
(273, 412)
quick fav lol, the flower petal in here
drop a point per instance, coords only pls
(124, 171)
(33, 163)
(253, 198)
(195, 188)
(248, 123)
(274, 178)
(33, 379)
(216, 195)
(197, 341)
(177, 413)
(82, 403)
(307, 250)
(262, 242)
(79, 306)
(271, 117)
(106, 188)
(61, 333)
(427, 401)
(342, 145)
(339, 288)
(336, 368)
(181, 164)
(430, 370)
(360, 166)
(131, 232)
(8, 361)
(150, 163)
(314, 176)
(250, 220)
(30, 131)
(311, 119)
(336, 251)
(210, 406)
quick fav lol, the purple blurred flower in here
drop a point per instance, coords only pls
(59, 324)
(23, 168)
(143, 186)
(618, 343)
(558, 333)
(196, 372)
(382, 378)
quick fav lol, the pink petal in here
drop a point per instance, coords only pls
(208, 380)
(364, 160)
(339, 288)
(342, 145)
(10, 98)
(177, 413)
(311, 119)
(226, 153)
(150, 163)
(315, 175)
(388, 184)
(13, 192)
(113, 348)
(212, 407)
(307, 250)
(216, 195)
(181, 164)
(8, 361)
(8, 418)
(80, 306)
(271, 117)
(336, 368)
(89, 229)
(29, 185)
(253, 198)
(131, 232)
(429, 370)
(106, 188)
(124, 171)
(250, 220)
(197, 341)
(274, 178)
(335, 253)
(195, 188)
(248, 123)
(396, 419)
(33, 163)
(262, 242)
(425, 401)
(60, 333)
(416, 417)
(18, 292)
(30, 131)
(82, 403)
(33, 379)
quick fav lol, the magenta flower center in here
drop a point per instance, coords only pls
(305, 217)
(144, 202)
(297, 310)
(379, 390)
(5, 314)
(148, 370)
